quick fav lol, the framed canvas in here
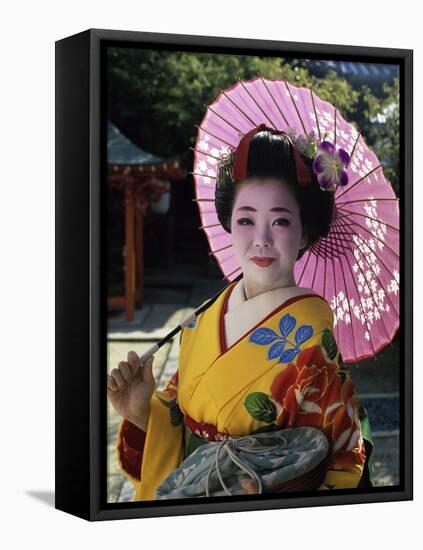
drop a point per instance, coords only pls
(241, 211)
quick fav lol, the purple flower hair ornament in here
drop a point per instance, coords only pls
(330, 166)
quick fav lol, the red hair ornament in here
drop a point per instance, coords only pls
(241, 156)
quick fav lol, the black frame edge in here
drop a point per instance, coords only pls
(98, 308)
(72, 468)
(246, 43)
(407, 279)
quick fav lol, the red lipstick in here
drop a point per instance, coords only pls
(262, 261)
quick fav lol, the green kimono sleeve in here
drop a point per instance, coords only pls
(366, 479)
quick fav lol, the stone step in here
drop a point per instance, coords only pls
(151, 323)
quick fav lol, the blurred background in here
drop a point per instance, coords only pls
(159, 267)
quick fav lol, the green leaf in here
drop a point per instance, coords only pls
(329, 344)
(259, 405)
(343, 375)
(165, 402)
(176, 415)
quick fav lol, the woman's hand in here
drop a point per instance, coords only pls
(130, 387)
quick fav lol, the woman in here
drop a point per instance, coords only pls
(263, 355)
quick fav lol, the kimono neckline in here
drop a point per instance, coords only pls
(223, 310)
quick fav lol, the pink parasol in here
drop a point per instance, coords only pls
(356, 267)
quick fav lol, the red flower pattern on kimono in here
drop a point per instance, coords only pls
(303, 389)
(311, 393)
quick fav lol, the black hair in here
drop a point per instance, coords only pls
(271, 156)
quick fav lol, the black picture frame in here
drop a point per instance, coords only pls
(80, 279)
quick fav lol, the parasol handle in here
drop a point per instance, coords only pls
(151, 351)
(188, 320)
(147, 354)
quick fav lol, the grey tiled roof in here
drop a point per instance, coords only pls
(356, 70)
(120, 150)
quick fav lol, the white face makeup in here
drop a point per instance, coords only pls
(266, 234)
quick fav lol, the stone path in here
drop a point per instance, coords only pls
(155, 320)
(150, 324)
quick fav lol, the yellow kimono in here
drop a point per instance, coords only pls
(284, 371)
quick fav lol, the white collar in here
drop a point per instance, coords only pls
(242, 314)
(272, 297)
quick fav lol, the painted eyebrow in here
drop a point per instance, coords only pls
(276, 209)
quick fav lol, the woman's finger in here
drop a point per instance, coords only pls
(133, 359)
(120, 381)
(111, 383)
(147, 370)
(125, 370)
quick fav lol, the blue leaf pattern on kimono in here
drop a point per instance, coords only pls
(303, 333)
(289, 355)
(287, 324)
(264, 336)
(276, 350)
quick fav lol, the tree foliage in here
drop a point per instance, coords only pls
(382, 117)
(157, 97)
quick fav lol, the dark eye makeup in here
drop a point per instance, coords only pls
(280, 221)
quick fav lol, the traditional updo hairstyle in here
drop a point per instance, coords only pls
(271, 155)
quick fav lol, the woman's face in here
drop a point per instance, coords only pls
(266, 233)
